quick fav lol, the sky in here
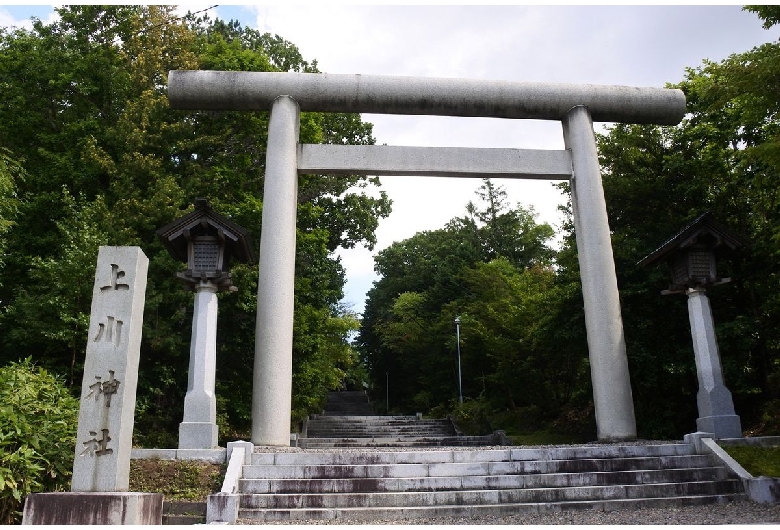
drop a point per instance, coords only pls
(608, 45)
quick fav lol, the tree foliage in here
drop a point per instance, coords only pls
(37, 435)
(107, 161)
(492, 269)
(10, 172)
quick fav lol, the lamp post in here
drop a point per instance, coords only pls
(457, 334)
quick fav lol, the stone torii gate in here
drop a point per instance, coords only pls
(575, 106)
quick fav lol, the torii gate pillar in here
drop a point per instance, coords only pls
(272, 381)
(603, 321)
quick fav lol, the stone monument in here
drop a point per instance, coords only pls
(101, 465)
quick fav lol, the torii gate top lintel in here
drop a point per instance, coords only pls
(226, 90)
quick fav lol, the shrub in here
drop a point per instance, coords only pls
(38, 419)
(473, 417)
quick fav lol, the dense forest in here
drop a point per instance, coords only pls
(91, 154)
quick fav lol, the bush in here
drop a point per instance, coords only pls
(38, 419)
(473, 417)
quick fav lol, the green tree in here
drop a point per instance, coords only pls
(10, 172)
(107, 161)
(484, 268)
(506, 232)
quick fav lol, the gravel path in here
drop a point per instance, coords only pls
(743, 512)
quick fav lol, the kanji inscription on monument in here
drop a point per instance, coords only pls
(106, 414)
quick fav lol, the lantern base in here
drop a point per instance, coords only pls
(725, 426)
(197, 435)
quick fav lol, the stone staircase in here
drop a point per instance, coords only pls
(349, 421)
(183, 513)
(348, 403)
(386, 431)
(355, 485)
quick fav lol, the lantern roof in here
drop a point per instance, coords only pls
(175, 234)
(704, 232)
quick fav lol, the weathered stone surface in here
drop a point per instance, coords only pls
(93, 508)
(716, 406)
(422, 95)
(272, 379)
(199, 428)
(603, 321)
(106, 415)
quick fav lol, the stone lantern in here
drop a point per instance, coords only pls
(207, 242)
(691, 258)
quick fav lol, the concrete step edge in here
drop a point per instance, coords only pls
(455, 459)
(489, 497)
(454, 483)
(407, 513)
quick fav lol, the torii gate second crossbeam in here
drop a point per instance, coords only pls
(576, 106)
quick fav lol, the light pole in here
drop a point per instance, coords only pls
(457, 334)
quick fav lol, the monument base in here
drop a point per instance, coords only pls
(197, 435)
(725, 426)
(103, 508)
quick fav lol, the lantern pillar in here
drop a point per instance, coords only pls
(716, 407)
(199, 429)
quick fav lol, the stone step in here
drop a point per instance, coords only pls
(448, 469)
(379, 428)
(369, 420)
(354, 403)
(399, 484)
(352, 411)
(487, 497)
(377, 433)
(346, 395)
(337, 423)
(473, 482)
(435, 439)
(481, 455)
(183, 512)
(378, 418)
(343, 425)
(398, 441)
(467, 511)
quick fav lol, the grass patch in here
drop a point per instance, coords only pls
(547, 438)
(178, 480)
(758, 461)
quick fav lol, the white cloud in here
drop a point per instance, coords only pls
(20, 16)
